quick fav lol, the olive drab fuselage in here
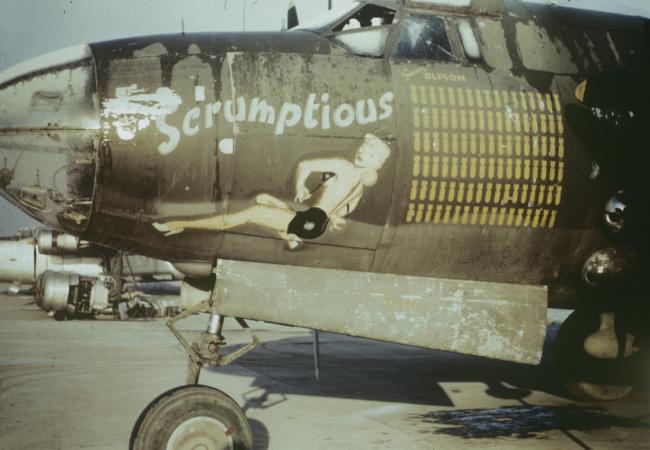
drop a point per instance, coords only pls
(483, 178)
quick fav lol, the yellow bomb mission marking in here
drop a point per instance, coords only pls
(485, 157)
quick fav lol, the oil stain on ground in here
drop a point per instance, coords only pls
(522, 421)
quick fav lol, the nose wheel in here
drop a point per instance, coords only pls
(195, 417)
(192, 418)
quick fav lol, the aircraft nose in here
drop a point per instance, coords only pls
(49, 135)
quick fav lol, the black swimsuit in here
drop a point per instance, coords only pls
(308, 224)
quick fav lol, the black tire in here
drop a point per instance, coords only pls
(596, 392)
(172, 419)
(584, 377)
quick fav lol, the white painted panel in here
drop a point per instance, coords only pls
(495, 320)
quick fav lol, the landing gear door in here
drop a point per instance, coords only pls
(312, 148)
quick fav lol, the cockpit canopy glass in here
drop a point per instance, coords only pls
(424, 37)
(368, 16)
(332, 17)
(361, 28)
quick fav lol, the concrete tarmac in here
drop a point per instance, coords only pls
(82, 384)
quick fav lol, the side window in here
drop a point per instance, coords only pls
(468, 40)
(365, 33)
(424, 37)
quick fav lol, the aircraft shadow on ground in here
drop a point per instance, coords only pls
(369, 370)
(364, 369)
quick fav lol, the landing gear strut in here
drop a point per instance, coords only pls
(195, 416)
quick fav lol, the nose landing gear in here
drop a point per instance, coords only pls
(194, 416)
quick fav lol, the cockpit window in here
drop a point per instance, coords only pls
(424, 37)
(325, 21)
(468, 39)
(365, 43)
(365, 32)
(368, 16)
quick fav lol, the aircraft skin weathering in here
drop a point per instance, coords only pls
(416, 152)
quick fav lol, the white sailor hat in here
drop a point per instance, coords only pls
(377, 145)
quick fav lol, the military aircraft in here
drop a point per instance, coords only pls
(424, 172)
(73, 278)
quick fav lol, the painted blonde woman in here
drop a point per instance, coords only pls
(338, 197)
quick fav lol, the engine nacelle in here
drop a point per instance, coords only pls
(68, 294)
(54, 290)
(51, 242)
